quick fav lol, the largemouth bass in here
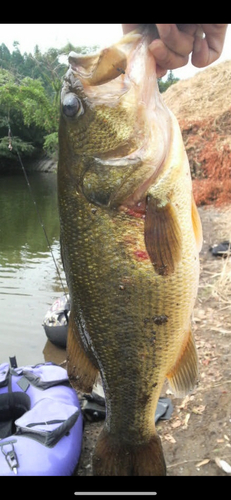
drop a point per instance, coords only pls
(130, 241)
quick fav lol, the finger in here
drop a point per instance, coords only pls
(208, 49)
(160, 72)
(178, 41)
(165, 58)
(188, 28)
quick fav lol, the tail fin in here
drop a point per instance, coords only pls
(111, 458)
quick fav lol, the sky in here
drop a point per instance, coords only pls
(58, 35)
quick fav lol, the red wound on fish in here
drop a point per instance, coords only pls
(141, 255)
(162, 236)
(138, 210)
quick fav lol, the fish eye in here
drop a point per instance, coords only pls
(72, 105)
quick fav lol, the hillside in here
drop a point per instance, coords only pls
(202, 105)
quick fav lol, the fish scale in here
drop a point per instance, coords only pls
(130, 235)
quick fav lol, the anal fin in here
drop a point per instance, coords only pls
(81, 371)
(162, 235)
(184, 374)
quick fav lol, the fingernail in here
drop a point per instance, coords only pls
(197, 44)
(199, 35)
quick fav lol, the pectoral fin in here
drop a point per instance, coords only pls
(162, 236)
(184, 375)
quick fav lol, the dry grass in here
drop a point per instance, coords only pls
(221, 287)
(202, 105)
(207, 94)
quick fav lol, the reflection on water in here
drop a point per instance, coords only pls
(29, 281)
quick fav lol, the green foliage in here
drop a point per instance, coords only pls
(163, 86)
(79, 50)
(50, 144)
(5, 56)
(29, 100)
(17, 144)
(30, 86)
(29, 112)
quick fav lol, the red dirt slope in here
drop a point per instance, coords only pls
(202, 105)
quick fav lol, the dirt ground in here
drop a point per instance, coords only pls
(197, 438)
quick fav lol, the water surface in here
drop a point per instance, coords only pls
(29, 281)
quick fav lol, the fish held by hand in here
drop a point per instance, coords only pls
(130, 239)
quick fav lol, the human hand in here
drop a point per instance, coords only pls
(177, 41)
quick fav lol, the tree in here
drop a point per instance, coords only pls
(163, 86)
(28, 111)
(84, 49)
(5, 57)
(30, 86)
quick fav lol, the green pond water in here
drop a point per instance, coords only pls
(29, 281)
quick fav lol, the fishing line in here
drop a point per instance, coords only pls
(10, 136)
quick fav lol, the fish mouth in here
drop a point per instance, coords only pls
(124, 76)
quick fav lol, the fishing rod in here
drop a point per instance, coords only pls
(10, 136)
